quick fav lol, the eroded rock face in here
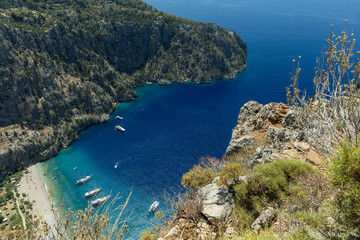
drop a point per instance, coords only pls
(270, 132)
(217, 201)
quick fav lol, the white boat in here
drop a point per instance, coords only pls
(92, 193)
(118, 117)
(100, 201)
(116, 165)
(81, 181)
(118, 127)
(153, 206)
(75, 168)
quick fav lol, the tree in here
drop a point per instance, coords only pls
(332, 114)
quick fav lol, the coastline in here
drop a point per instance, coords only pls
(35, 188)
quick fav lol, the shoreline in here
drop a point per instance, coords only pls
(36, 191)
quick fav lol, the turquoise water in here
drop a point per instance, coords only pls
(168, 128)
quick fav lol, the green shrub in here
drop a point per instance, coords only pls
(197, 177)
(269, 183)
(231, 171)
(344, 174)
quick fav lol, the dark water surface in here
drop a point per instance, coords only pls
(168, 128)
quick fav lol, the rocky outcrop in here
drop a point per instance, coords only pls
(263, 133)
(269, 132)
(62, 69)
(217, 202)
(266, 217)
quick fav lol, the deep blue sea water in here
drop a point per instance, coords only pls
(168, 128)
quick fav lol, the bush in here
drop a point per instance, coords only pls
(332, 114)
(197, 177)
(230, 172)
(344, 174)
(269, 183)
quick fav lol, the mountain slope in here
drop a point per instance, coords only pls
(64, 64)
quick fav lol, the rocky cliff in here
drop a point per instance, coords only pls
(65, 64)
(269, 132)
(263, 134)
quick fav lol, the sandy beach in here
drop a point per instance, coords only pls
(33, 185)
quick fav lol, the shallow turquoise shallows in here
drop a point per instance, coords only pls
(168, 128)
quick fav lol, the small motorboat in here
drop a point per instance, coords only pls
(118, 117)
(116, 165)
(75, 168)
(118, 127)
(54, 177)
(153, 206)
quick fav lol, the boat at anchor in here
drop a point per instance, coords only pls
(118, 127)
(92, 193)
(100, 201)
(153, 206)
(81, 181)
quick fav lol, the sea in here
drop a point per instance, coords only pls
(169, 128)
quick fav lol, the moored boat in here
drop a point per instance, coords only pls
(81, 181)
(118, 127)
(100, 201)
(92, 193)
(153, 206)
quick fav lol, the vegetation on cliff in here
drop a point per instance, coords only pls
(64, 64)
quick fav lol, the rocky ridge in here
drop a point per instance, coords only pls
(63, 68)
(269, 132)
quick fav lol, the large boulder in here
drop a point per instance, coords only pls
(217, 202)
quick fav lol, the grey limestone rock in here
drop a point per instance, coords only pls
(217, 202)
(239, 144)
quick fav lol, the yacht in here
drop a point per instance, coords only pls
(118, 127)
(100, 201)
(92, 193)
(153, 206)
(81, 181)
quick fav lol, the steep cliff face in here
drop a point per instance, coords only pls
(263, 134)
(63, 66)
(269, 132)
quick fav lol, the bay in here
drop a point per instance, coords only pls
(168, 128)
